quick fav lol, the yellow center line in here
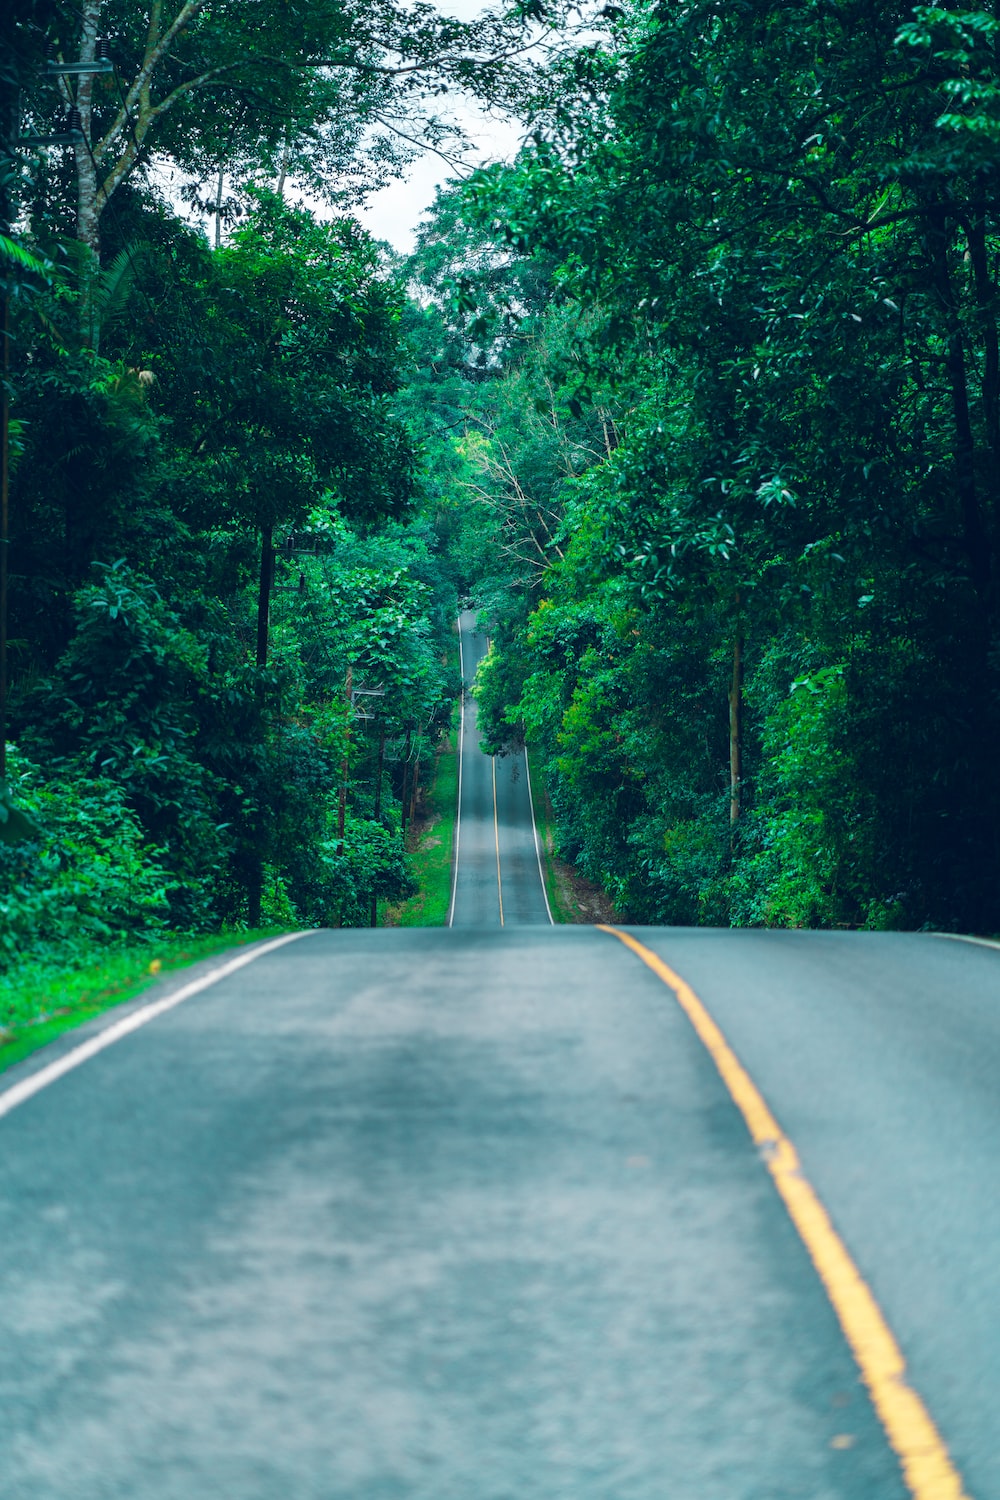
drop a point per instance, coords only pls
(927, 1467)
(496, 830)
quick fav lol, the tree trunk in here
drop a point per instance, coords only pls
(345, 765)
(88, 230)
(264, 591)
(10, 113)
(255, 879)
(986, 307)
(415, 787)
(283, 165)
(378, 804)
(406, 767)
(255, 892)
(736, 730)
(974, 532)
(378, 774)
(218, 207)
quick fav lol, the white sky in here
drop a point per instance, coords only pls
(394, 212)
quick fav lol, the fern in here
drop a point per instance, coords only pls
(111, 287)
(17, 255)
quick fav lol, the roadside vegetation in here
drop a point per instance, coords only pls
(227, 610)
(698, 399)
(39, 1001)
(431, 845)
(572, 898)
(732, 456)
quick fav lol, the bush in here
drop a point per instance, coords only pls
(804, 845)
(89, 878)
(120, 707)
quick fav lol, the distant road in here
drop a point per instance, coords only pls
(498, 879)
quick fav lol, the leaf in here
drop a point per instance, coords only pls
(15, 826)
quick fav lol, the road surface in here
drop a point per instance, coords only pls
(498, 875)
(475, 1214)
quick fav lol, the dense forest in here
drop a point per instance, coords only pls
(698, 400)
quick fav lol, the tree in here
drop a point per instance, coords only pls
(780, 221)
(283, 86)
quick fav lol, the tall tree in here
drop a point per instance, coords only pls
(280, 83)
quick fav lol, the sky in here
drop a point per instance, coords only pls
(394, 212)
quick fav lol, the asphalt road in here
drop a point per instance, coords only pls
(451, 1214)
(498, 878)
(470, 1214)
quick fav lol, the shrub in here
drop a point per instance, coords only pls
(89, 878)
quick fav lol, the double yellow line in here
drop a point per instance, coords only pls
(927, 1467)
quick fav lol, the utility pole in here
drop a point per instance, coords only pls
(10, 141)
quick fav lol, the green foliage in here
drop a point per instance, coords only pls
(16, 255)
(430, 861)
(766, 240)
(698, 400)
(260, 406)
(120, 705)
(371, 865)
(809, 818)
(90, 876)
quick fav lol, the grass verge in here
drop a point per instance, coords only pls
(572, 898)
(431, 854)
(40, 1002)
(545, 823)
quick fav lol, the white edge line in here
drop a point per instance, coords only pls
(959, 937)
(538, 844)
(28, 1087)
(461, 757)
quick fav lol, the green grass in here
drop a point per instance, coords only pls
(39, 1003)
(430, 859)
